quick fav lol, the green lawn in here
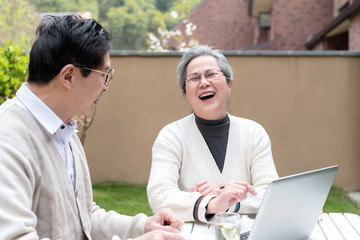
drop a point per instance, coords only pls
(123, 198)
(131, 199)
(338, 201)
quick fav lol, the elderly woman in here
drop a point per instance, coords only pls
(209, 161)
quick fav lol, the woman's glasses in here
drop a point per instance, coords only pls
(210, 74)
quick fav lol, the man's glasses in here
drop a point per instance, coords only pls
(210, 75)
(108, 75)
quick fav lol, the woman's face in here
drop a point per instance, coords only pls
(207, 96)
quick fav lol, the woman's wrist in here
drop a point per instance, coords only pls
(213, 206)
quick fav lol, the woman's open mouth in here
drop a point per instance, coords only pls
(207, 95)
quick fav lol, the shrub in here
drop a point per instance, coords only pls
(13, 70)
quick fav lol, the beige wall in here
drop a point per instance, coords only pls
(309, 105)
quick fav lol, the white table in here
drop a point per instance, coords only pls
(330, 226)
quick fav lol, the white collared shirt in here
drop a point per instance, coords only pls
(59, 132)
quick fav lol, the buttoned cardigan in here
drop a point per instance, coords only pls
(181, 158)
(37, 197)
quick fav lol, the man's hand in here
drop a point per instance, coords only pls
(233, 192)
(164, 225)
(165, 220)
(160, 235)
(207, 187)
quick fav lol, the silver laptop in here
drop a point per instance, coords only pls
(292, 205)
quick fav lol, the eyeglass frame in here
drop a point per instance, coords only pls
(109, 74)
(198, 75)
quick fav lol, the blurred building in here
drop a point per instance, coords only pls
(276, 24)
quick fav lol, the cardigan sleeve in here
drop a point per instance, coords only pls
(107, 224)
(17, 185)
(163, 190)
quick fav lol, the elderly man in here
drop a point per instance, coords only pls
(44, 176)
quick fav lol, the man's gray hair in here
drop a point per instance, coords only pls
(202, 50)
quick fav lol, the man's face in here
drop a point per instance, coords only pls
(89, 89)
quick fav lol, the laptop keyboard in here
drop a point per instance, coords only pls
(245, 235)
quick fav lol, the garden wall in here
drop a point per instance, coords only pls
(309, 103)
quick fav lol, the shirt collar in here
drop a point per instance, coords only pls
(47, 118)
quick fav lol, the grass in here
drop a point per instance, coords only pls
(338, 201)
(131, 199)
(123, 198)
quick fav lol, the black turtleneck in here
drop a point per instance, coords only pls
(215, 133)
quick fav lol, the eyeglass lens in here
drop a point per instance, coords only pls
(208, 74)
(109, 76)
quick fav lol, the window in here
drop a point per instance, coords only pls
(265, 20)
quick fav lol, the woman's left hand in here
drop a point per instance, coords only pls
(207, 187)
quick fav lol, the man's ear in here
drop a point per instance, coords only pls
(67, 76)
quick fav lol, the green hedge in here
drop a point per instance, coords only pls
(13, 70)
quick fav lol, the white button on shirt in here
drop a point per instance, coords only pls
(59, 132)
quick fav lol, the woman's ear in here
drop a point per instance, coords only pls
(67, 75)
(230, 84)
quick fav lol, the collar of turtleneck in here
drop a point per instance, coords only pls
(215, 133)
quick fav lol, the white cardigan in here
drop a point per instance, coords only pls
(181, 158)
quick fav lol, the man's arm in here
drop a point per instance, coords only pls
(17, 184)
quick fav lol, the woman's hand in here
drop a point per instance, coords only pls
(207, 187)
(233, 192)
